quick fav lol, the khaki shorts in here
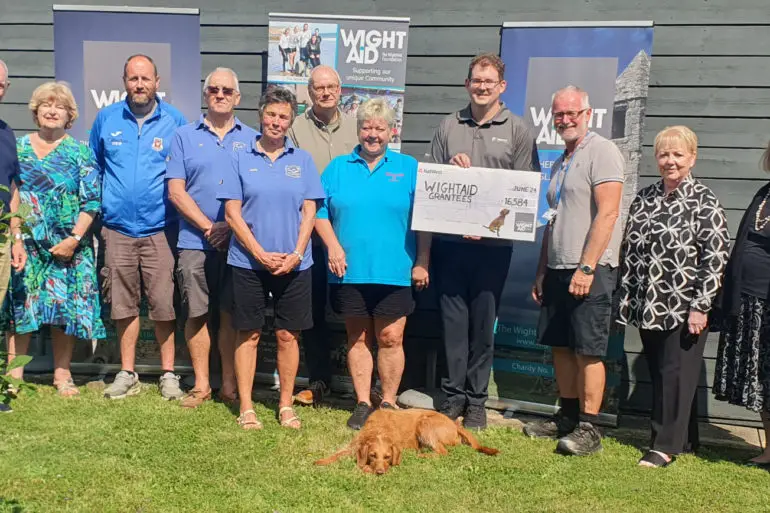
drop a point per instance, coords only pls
(201, 276)
(136, 265)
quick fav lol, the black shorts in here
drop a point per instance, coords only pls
(371, 300)
(582, 325)
(291, 299)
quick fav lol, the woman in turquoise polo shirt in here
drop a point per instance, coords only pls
(374, 257)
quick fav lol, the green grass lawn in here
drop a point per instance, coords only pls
(146, 455)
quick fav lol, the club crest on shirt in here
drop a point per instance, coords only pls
(293, 171)
(157, 144)
(238, 145)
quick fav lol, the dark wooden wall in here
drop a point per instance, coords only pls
(710, 71)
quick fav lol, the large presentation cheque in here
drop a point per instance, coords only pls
(494, 203)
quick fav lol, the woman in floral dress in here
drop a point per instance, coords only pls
(57, 286)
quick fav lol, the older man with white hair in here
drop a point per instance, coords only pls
(577, 272)
(203, 234)
(9, 172)
(324, 132)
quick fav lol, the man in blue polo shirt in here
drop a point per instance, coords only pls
(193, 176)
(131, 140)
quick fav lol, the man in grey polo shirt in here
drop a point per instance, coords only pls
(470, 271)
(325, 132)
(578, 270)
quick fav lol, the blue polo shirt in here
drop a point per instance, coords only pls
(272, 194)
(9, 163)
(133, 166)
(195, 154)
(371, 213)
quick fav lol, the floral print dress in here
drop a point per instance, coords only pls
(48, 291)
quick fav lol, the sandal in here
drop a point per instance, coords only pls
(292, 422)
(67, 388)
(249, 424)
(655, 460)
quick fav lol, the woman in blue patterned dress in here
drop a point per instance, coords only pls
(57, 286)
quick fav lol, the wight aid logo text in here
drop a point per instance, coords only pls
(542, 119)
(106, 98)
(365, 45)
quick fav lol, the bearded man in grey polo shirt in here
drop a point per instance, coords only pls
(324, 132)
(578, 271)
(470, 271)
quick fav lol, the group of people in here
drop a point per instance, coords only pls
(230, 215)
(300, 49)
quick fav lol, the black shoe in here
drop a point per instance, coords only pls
(556, 427)
(451, 409)
(386, 406)
(5, 408)
(360, 414)
(475, 417)
(584, 440)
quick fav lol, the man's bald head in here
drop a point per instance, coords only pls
(324, 88)
(3, 79)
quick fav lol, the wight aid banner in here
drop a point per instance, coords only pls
(611, 61)
(92, 43)
(369, 53)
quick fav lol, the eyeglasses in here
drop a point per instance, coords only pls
(476, 82)
(323, 89)
(227, 91)
(568, 114)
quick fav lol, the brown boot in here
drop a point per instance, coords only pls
(195, 398)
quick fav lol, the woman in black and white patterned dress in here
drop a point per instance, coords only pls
(742, 374)
(674, 254)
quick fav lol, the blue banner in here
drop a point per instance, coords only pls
(611, 61)
(91, 44)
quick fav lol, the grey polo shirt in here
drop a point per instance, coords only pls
(504, 142)
(324, 142)
(596, 160)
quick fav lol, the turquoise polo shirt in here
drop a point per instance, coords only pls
(371, 213)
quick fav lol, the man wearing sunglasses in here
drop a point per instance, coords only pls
(324, 132)
(131, 140)
(204, 236)
(470, 271)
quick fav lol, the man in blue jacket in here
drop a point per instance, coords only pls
(131, 140)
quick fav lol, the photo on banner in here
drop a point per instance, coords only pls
(611, 62)
(91, 46)
(369, 53)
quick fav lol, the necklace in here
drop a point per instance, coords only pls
(759, 221)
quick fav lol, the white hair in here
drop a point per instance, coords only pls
(573, 89)
(224, 70)
(375, 108)
(5, 67)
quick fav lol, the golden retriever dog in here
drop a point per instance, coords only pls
(387, 433)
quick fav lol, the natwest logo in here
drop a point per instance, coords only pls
(365, 45)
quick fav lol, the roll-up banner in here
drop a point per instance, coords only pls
(611, 61)
(91, 45)
(369, 53)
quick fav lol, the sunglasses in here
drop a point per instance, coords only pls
(214, 90)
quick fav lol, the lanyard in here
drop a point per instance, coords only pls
(560, 187)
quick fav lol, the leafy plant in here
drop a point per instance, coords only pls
(6, 381)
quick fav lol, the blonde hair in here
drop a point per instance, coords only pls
(765, 161)
(678, 134)
(375, 108)
(59, 92)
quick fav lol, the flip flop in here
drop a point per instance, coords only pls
(249, 424)
(655, 460)
(67, 388)
(292, 422)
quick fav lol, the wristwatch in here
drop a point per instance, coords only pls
(17, 236)
(586, 269)
(299, 255)
(76, 236)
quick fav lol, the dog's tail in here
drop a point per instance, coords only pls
(468, 439)
(334, 457)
